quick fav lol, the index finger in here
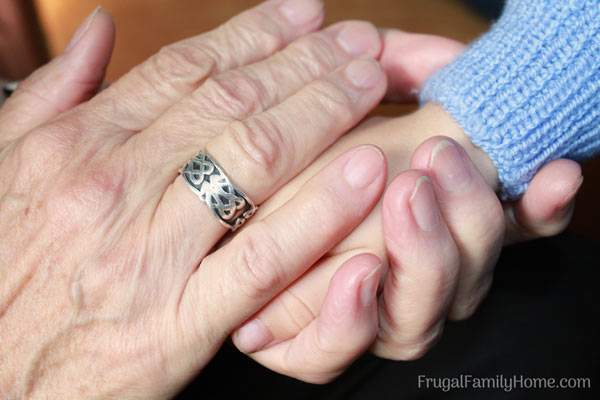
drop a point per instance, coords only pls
(241, 277)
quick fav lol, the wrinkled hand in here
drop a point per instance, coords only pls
(440, 227)
(109, 285)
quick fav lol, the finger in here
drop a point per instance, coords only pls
(265, 151)
(547, 206)
(239, 93)
(297, 306)
(178, 69)
(423, 269)
(65, 82)
(241, 277)
(343, 330)
(473, 214)
(409, 59)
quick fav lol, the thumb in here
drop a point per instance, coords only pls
(547, 206)
(409, 59)
(68, 80)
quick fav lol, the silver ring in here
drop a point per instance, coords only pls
(207, 180)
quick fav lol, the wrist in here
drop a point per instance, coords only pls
(432, 120)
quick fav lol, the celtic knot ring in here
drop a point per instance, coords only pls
(207, 180)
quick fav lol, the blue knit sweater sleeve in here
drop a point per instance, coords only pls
(527, 92)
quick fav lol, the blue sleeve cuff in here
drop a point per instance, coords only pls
(527, 92)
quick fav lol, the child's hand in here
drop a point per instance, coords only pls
(438, 236)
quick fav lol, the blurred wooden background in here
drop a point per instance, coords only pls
(143, 26)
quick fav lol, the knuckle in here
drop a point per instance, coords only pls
(180, 64)
(263, 146)
(333, 101)
(411, 352)
(59, 137)
(255, 29)
(44, 150)
(258, 265)
(87, 196)
(413, 347)
(234, 93)
(314, 54)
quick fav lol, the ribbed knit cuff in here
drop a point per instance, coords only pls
(527, 92)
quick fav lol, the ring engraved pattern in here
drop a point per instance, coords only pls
(208, 181)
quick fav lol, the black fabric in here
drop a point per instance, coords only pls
(490, 9)
(539, 320)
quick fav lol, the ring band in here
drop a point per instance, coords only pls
(207, 180)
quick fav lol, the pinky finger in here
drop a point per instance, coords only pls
(345, 327)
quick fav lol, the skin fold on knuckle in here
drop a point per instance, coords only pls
(439, 279)
(336, 104)
(313, 55)
(260, 150)
(234, 93)
(410, 347)
(179, 66)
(410, 337)
(254, 29)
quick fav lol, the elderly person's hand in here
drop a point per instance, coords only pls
(109, 286)
(439, 228)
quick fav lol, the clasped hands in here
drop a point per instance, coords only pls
(115, 281)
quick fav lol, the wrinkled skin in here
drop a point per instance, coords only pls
(109, 283)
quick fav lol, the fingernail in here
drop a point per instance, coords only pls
(300, 12)
(252, 336)
(424, 206)
(355, 40)
(82, 30)
(368, 287)
(364, 74)
(451, 170)
(365, 165)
